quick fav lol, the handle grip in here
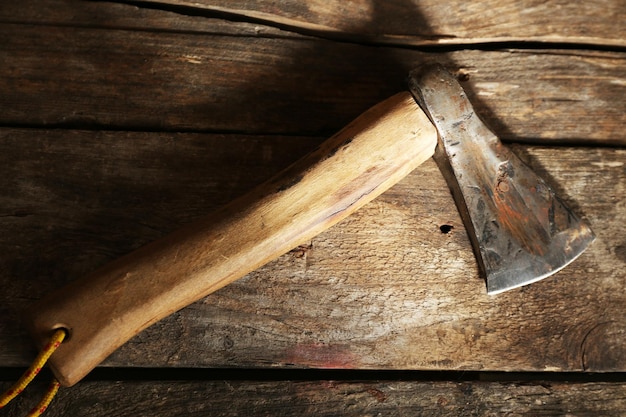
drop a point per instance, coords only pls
(105, 309)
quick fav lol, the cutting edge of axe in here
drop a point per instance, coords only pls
(521, 231)
(108, 307)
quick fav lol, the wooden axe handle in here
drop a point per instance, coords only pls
(105, 309)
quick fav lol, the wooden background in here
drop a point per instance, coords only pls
(120, 121)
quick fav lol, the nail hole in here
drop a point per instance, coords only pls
(463, 75)
(446, 228)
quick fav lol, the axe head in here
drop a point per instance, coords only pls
(520, 230)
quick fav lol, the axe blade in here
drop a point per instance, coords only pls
(521, 231)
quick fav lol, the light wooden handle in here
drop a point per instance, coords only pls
(105, 309)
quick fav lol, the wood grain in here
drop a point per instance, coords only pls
(75, 77)
(101, 15)
(383, 289)
(332, 398)
(428, 22)
(74, 200)
(595, 24)
(93, 164)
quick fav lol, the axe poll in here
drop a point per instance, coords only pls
(520, 230)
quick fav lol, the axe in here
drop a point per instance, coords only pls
(520, 230)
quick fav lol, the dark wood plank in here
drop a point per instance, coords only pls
(110, 15)
(384, 289)
(60, 76)
(428, 22)
(387, 289)
(401, 22)
(331, 398)
(64, 191)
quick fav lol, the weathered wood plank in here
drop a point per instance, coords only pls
(332, 398)
(110, 15)
(64, 191)
(408, 22)
(384, 289)
(429, 22)
(117, 79)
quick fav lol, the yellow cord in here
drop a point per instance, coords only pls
(46, 400)
(31, 372)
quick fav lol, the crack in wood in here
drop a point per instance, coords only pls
(429, 43)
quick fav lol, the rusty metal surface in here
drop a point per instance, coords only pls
(521, 231)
